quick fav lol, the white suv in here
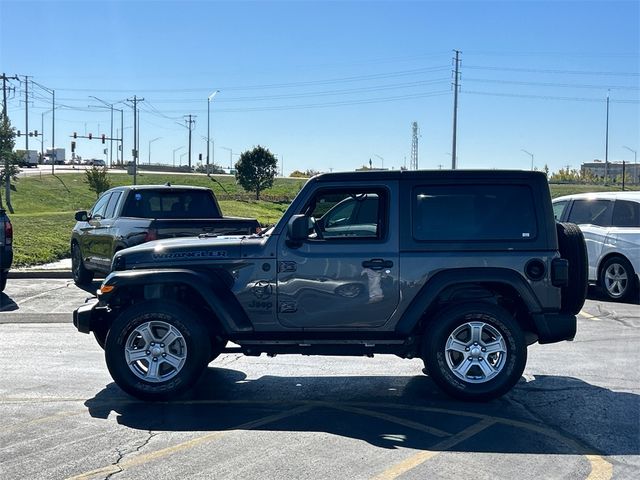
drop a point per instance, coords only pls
(610, 222)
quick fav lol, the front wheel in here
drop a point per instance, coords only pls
(157, 350)
(475, 352)
(81, 275)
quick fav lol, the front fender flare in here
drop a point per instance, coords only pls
(212, 289)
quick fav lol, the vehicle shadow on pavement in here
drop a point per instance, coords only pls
(595, 293)
(546, 415)
(91, 287)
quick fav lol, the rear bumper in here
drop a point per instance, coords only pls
(88, 316)
(555, 327)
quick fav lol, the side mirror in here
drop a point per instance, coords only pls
(298, 229)
(82, 216)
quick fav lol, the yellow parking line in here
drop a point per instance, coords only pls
(419, 458)
(145, 458)
(600, 468)
(393, 419)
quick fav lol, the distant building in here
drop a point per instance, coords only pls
(614, 169)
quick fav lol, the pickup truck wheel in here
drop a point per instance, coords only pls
(617, 279)
(157, 350)
(81, 276)
(475, 352)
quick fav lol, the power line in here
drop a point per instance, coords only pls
(548, 97)
(566, 72)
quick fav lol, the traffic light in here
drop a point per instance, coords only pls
(103, 137)
(18, 133)
(90, 136)
(75, 135)
(73, 147)
(200, 156)
(35, 134)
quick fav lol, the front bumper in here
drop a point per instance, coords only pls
(555, 327)
(87, 317)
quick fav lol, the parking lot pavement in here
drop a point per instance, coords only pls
(575, 413)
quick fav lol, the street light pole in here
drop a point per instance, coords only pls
(635, 163)
(376, 155)
(209, 126)
(174, 155)
(531, 155)
(150, 142)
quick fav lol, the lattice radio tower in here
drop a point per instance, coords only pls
(414, 147)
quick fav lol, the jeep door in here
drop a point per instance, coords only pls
(345, 273)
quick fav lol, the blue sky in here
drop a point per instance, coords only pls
(330, 85)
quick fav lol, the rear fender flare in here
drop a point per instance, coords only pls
(441, 281)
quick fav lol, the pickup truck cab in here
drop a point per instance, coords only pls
(463, 269)
(126, 216)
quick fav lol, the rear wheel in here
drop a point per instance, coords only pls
(617, 279)
(81, 275)
(157, 350)
(475, 352)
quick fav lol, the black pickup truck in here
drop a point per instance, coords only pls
(127, 216)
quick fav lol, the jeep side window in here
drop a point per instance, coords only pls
(101, 205)
(591, 212)
(347, 214)
(626, 214)
(473, 213)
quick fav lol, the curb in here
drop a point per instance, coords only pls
(40, 274)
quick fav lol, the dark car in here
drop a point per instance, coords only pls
(6, 247)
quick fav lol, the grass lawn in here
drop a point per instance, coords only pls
(45, 205)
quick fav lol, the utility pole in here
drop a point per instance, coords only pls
(455, 109)
(7, 183)
(4, 92)
(190, 124)
(606, 145)
(26, 113)
(135, 101)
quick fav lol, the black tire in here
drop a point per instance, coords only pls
(617, 279)
(192, 346)
(216, 348)
(81, 275)
(498, 327)
(574, 249)
(3, 280)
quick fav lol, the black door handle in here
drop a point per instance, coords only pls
(377, 264)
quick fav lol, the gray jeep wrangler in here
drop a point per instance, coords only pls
(463, 269)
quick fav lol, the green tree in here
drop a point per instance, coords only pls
(256, 169)
(98, 179)
(8, 159)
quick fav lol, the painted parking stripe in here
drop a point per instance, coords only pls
(419, 458)
(149, 457)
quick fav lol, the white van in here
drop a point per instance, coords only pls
(610, 222)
